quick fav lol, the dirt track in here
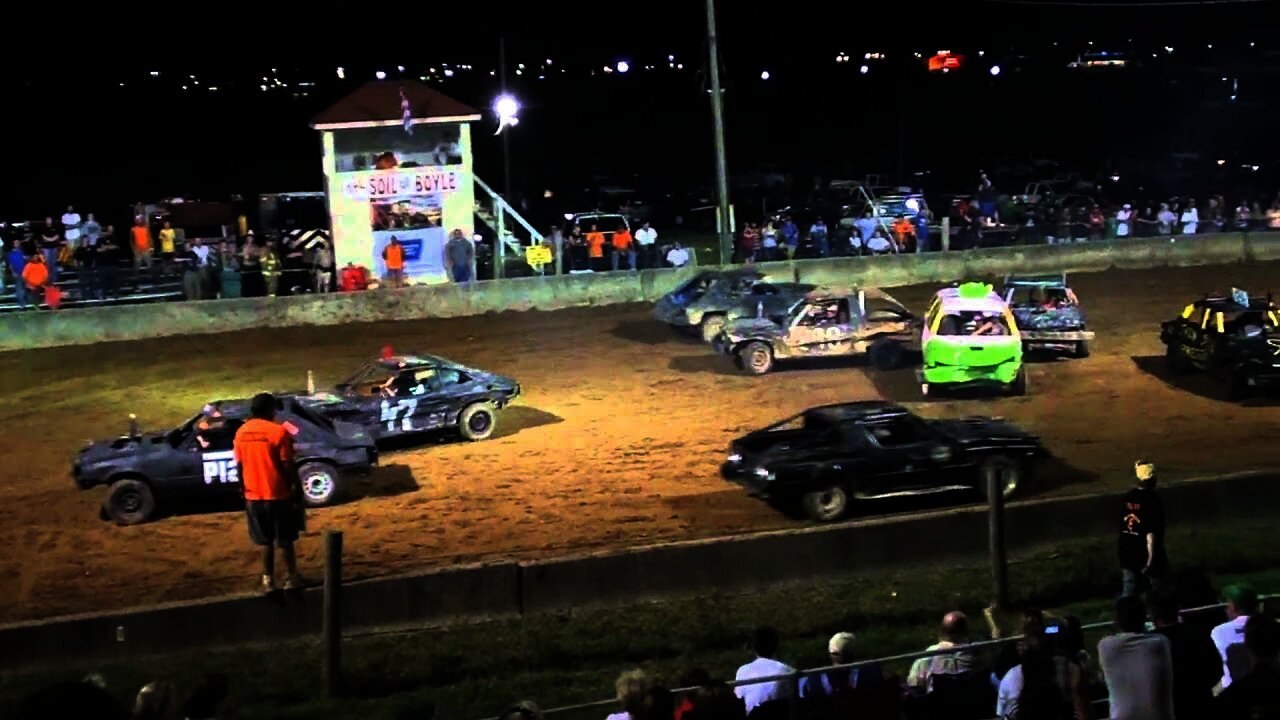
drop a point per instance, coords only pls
(616, 441)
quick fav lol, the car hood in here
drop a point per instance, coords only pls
(982, 429)
(1034, 318)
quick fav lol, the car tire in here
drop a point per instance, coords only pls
(711, 327)
(885, 355)
(1176, 363)
(1082, 349)
(755, 358)
(826, 505)
(1018, 387)
(130, 502)
(477, 421)
(1010, 474)
(321, 483)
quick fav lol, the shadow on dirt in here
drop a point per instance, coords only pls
(511, 420)
(1198, 383)
(652, 332)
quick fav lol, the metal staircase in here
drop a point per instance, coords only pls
(513, 231)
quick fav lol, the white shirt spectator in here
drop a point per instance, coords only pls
(923, 670)
(867, 226)
(1011, 686)
(678, 257)
(1190, 220)
(71, 225)
(1138, 668)
(753, 695)
(1229, 639)
(202, 254)
(1167, 219)
(879, 244)
(1123, 217)
(646, 236)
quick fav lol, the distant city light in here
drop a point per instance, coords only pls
(342, 74)
(864, 69)
(1115, 178)
(1210, 46)
(399, 68)
(981, 53)
(1168, 48)
(548, 61)
(155, 74)
(679, 66)
(671, 58)
(608, 69)
(1255, 168)
(380, 75)
(623, 66)
(264, 88)
(1222, 162)
(995, 70)
(519, 72)
(448, 72)
(764, 75)
(520, 65)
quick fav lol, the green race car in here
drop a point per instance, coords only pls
(971, 339)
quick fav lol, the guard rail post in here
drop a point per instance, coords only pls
(995, 539)
(946, 234)
(331, 670)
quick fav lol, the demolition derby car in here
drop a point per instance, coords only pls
(1235, 338)
(824, 323)
(828, 456)
(404, 394)
(970, 339)
(709, 300)
(193, 462)
(1048, 314)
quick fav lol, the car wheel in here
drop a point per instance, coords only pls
(130, 502)
(1082, 349)
(712, 326)
(755, 358)
(1174, 360)
(320, 483)
(1007, 473)
(477, 421)
(1018, 387)
(826, 505)
(885, 355)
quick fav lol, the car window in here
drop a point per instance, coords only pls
(448, 376)
(973, 324)
(895, 432)
(827, 312)
(218, 437)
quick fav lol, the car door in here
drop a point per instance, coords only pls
(907, 457)
(403, 405)
(825, 328)
(215, 449)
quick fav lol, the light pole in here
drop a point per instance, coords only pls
(717, 116)
(506, 146)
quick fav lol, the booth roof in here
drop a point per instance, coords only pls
(377, 103)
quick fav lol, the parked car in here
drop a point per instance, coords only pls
(827, 457)
(1235, 338)
(970, 338)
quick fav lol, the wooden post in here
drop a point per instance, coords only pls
(995, 539)
(332, 614)
(946, 233)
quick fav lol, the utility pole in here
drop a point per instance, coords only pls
(506, 142)
(717, 115)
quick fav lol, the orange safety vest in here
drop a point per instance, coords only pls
(394, 255)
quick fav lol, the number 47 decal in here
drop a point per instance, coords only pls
(402, 409)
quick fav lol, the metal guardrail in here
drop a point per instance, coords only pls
(793, 679)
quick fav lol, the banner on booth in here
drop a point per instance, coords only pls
(380, 184)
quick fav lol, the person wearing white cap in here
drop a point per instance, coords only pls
(834, 683)
(1124, 221)
(1141, 541)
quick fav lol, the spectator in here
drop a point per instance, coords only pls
(954, 633)
(1273, 216)
(459, 255)
(156, 701)
(322, 269)
(17, 263)
(1217, 212)
(140, 236)
(251, 268)
(1142, 525)
(677, 256)
(764, 643)
(190, 273)
(35, 274)
(769, 242)
(866, 226)
(715, 701)
(622, 245)
(658, 704)
(1244, 216)
(71, 227)
(91, 231)
(108, 262)
(1137, 666)
(903, 235)
(204, 262)
(86, 257)
(987, 200)
(168, 247)
(1166, 219)
(393, 257)
(1242, 604)
(1196, 665)
(1097, 223)
(632, 687)
(922, 231)
(1147, 224)
(1255, 695)
(790, 237)
(206, 698)
(647, 242)
(1044, 685)
(270, 266)
(523, 710)
(1124, 221)
(1190, 218)
(595, 249)
(880, 244)
(818, 231)
(750, 243)
(50, 247)
(264, 461)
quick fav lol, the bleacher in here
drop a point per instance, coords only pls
(164, 288)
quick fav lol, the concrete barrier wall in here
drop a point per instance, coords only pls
(662, 571)
(90, 325)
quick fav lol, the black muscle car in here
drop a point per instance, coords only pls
(828, 456)
(193, 462)
(405, 394)
(1234, 337)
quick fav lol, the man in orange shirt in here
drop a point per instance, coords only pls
(141, 235)
(393, 255)
(905, 234)
(622, 245)
(269, 481)
(595, 248)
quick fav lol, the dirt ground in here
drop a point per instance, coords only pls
(616, 441)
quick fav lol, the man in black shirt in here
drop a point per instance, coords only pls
(1197, 667)
(1255, 695)
(1141, 543)
(108, 262)
(86, 257)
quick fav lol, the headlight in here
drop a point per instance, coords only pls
(734, 458)
(763, 473)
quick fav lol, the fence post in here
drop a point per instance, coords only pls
(946, 233)
(500, 246)
(332, 614)
(995, 538)
(794, 705)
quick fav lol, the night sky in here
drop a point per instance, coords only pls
(89, 140)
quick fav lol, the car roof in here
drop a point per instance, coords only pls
(1059, 280)
(865, 410)
(965, 298)
(416, 360)
(1228, 304)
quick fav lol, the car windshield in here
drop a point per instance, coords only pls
(1048, 297)
(694, 287)
(972, 323)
